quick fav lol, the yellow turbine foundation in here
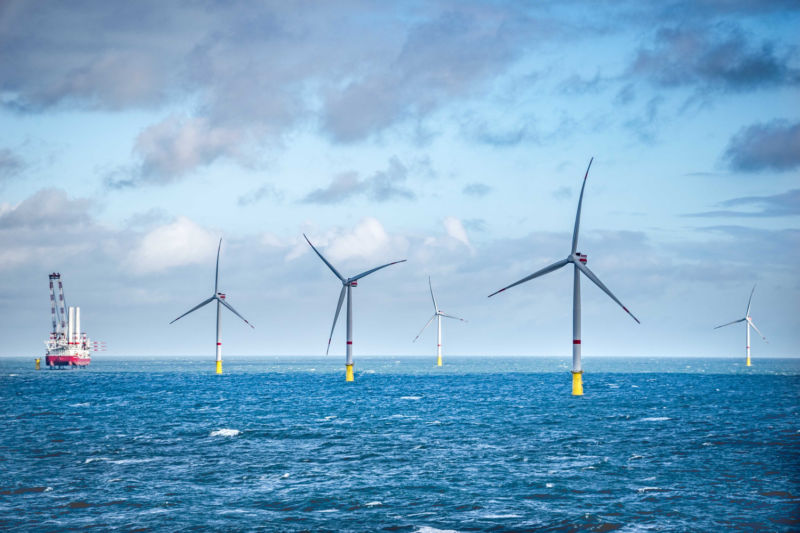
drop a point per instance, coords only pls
(37, 363)
(748, 361)
(439, 361)
(348, 373)
(577, 383)
(219, 367)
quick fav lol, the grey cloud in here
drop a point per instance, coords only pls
(10, 164)
(382, 186)
(712, 58)
(476, 189)
(777, 205)
(48, 208)
(563, 193)
(771, 146)
(265, 191)
(441, 59)
(342, 187)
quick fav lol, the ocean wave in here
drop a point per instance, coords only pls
(225, 432)
(428, 529)
(655, 419)
(372, 504)
(410, 397)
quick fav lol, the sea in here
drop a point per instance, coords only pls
(480, 444)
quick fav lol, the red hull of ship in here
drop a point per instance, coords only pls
(66, 360)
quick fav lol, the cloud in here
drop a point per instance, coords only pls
(771, 146)
(712, 58)
(382, 186)
(46, 228)
(265, 191)
(563, 193)
(178, 243)
(455, 229)
(476, 189)
(367, 241)
(778, 205)
(47, 208)
(10, 164)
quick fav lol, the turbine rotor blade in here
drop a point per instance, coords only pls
(195, 308)
(542, 272)
(451, 316)
(747, 313)
(368, 272)
(336, 317)
(325, 260)
(755, 328)
(226, 304)
(423, 328)
(435, 307)
(216, 274)
(578, 214)
(729, 323)
(589, 274)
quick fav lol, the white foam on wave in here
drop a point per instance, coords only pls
(411, 397)
(495, 516)
(649, 489)
(328, 511)
(708, 444)
(655, 419)
(225, 432)
(84, 404)
(549, 485)
(286, 475)
(428, 529)
(47, 489)
(130, 461)
(93, 459)
(13, 375)
(372, 504)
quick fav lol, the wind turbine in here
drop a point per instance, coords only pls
(749, 322)
(438, 316)
(347, 284)
(220, 298)
(578, 261)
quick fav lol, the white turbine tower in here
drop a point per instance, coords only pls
(347, 285)
(749, 322)
(438, 316)
(220, 298)
(578, 261)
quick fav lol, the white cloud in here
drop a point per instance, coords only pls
(455, 229)
(175, 244)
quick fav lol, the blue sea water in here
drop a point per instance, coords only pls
(494, 444)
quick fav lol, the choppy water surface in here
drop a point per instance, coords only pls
(495, 444)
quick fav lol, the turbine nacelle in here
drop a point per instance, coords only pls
(577, 256)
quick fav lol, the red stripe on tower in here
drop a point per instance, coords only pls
(576, 341)
(349, 342)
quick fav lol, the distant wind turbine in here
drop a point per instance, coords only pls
(438, 316)
(578, 260)
(347, 285)
(749, 322)
(220, 298)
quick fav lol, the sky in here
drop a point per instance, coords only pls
(135, 135)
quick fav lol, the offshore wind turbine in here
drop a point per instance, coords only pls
(438, 314)
(347, 285)
(578, 261)
(220, 299)
(749, 322)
